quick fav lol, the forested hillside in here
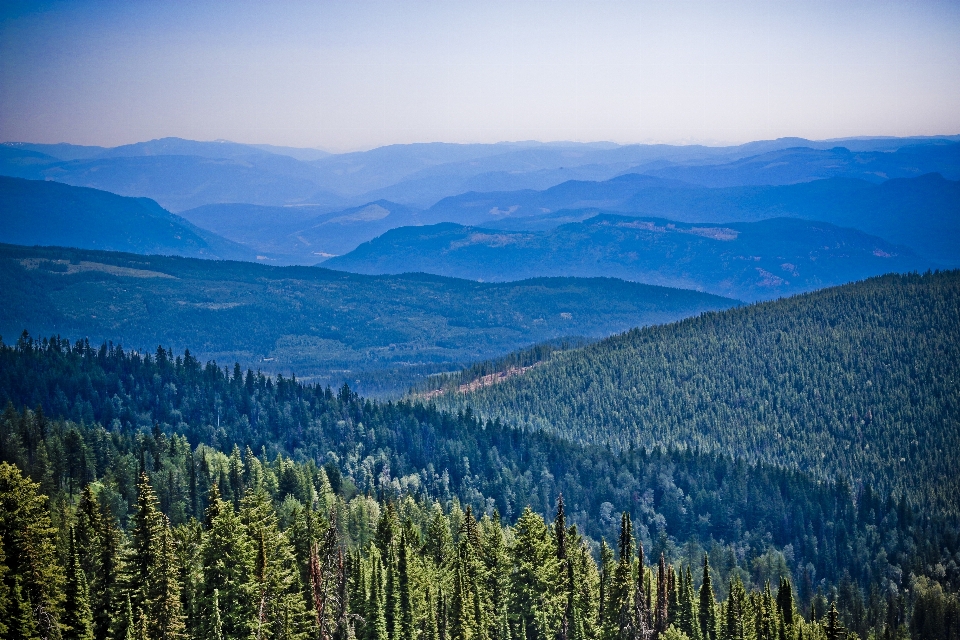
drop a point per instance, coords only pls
(364, 519)
(381, 334)
(744, 260)
(859, 381)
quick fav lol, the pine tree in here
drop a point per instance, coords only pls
(620, 616)
(672, 596)
(707, 611)
(405, 628)
(375, 625)
(227, 558)
(785, 602)
(462, 624)
(537, 598)
(32, 569)
(566, 570)
(216, 623)
(607, 568)
(166, 614)
(833, 629)
(642, 622)
(21, 623)
(735, 622)
(105, 586)
(77, 618)
(661, 617)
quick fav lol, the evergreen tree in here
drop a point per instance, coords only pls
(164, 606)
(462, 624)
(77, 618)
(620, 616)
(707, 610)
(785, 602)
(736, 620)
(227, 558)
(375, 625)
(35, 576)
(642, 623)
(216, 623)
(832, 627)
(661, 613)
(405, 627)
(537, 599)
(105, 584)
(607, 569)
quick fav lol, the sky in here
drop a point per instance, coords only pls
(355, 75)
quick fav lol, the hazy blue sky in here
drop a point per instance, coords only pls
(352, 75)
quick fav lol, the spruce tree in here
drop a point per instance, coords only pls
(375, 624)
(642, 624)
(32, 569)
(832, 627)
(736, 620)
(707, 609)
(105, 585)
(607, 568)
(77, 619)
(227, 558)
(661, 613)
(785, 602)
(164, 607)
(462, 624)
(537, 598)
(405, 627)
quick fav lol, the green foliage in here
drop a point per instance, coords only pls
(379, 333)
(31, 571)
(856, 382)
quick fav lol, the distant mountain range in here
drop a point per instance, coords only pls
(48, 213)
(745, 260)
(870, 206)
(184, 174)
(304, 234)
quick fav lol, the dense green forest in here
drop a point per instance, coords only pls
(250, 472)
(859, 381)
(379, 333)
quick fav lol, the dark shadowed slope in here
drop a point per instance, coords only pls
(37, 212)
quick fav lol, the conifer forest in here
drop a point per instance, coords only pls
(151, 496)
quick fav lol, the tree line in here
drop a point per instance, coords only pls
(191, 427)
(266, 565)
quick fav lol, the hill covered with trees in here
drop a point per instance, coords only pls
(381, 334)
(859, 381)
(263, 482)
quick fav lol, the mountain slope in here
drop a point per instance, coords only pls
(385, 331)
(922, 212)
(305, 234)
(802, 164)
(749, 261)
(859, 381)
(37, 212)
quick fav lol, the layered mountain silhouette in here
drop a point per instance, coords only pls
(745, 260)
(37, 212)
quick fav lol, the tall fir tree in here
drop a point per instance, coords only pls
(77, 619)
(227, 558)
(708, 605)
(736, 620)
(32, 570)
(661, 612)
